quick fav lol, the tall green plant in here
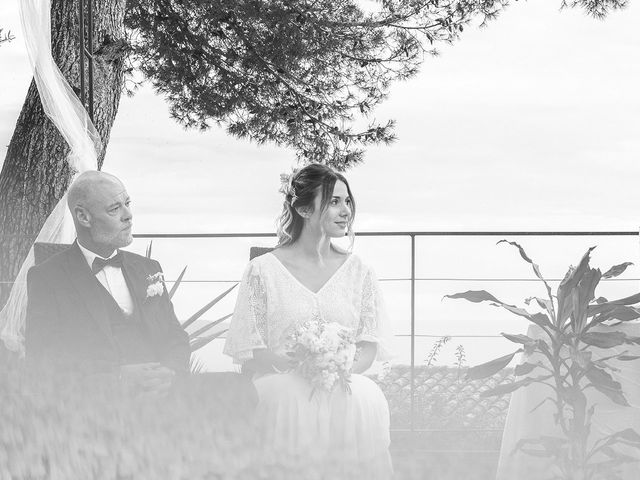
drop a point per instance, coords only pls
(572, 322)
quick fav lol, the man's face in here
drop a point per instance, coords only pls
(110, 215)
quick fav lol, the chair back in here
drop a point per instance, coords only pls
(257, 251)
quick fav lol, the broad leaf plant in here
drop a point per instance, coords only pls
(571, 323)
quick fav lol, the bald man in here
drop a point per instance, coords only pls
(94, 308)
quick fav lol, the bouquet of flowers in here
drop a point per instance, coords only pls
(323, 354)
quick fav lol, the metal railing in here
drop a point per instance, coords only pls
(412, 235)
(413, 279)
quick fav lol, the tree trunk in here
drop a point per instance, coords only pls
(35, 174)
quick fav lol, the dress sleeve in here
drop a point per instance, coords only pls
(248, 329)
(374, 323)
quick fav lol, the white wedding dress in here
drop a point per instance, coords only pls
(339, 434)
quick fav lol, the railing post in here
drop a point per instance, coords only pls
(413, 333)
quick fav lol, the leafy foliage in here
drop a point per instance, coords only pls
(572, 322)
(296, 73)
(299, 73)
(596, 8)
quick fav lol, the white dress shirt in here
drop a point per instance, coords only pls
(113, 280)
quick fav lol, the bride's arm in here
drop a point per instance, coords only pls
(365, 355)
(265, 361)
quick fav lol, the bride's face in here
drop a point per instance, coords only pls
(333, 221)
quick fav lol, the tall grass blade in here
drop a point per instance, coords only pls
(209, 326)
(195, 365)
(177, 283)
(204, 309)
(202, 341)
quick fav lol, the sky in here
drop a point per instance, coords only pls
(531, 123)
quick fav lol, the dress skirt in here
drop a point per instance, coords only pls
(336, 434)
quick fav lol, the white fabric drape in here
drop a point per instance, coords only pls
(67, 113)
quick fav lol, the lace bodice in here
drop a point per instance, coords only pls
(272, 302)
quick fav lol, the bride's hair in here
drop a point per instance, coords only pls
(299, 190)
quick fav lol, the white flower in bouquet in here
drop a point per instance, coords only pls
(323, 353)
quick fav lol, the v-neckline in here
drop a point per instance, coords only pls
(328, 281)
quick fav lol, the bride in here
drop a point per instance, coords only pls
(340, 434)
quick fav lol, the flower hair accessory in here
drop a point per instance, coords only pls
(286, 186)
(156, 285)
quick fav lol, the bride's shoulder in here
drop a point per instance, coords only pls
(361, 266)
(356, 263)
(258, 264)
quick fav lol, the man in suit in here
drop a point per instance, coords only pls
(96, 309)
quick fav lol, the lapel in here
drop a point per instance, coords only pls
(136, 277)
(85, 282)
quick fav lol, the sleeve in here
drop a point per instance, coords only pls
(176, 349)
(374, 323)
(248, 329)
(47, 342)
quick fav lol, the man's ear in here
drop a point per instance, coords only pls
(82, 216)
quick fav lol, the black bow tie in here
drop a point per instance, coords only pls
(99, 263)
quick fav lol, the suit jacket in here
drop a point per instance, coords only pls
(68, 325)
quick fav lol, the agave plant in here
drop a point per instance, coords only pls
(570, 324)
(196, 338)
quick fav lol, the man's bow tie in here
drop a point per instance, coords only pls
(99, 263)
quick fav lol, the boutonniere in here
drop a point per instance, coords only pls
(156, 285)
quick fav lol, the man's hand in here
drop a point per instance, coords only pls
(147, 379)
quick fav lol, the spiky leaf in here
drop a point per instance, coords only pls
(522, 339)
(204, 309)
(209, 326)
(177, 283)
(550, 444)
(568, 284)
(615, 312)
(536, 269)
(478, 296)
(475, 296)
(513, 386)
(608, 306)
(627, 358)
(603, 339)
(198, 343)
(605, 384)
(616, 270)
(490, 368)
(542, 303)
(523, 369)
